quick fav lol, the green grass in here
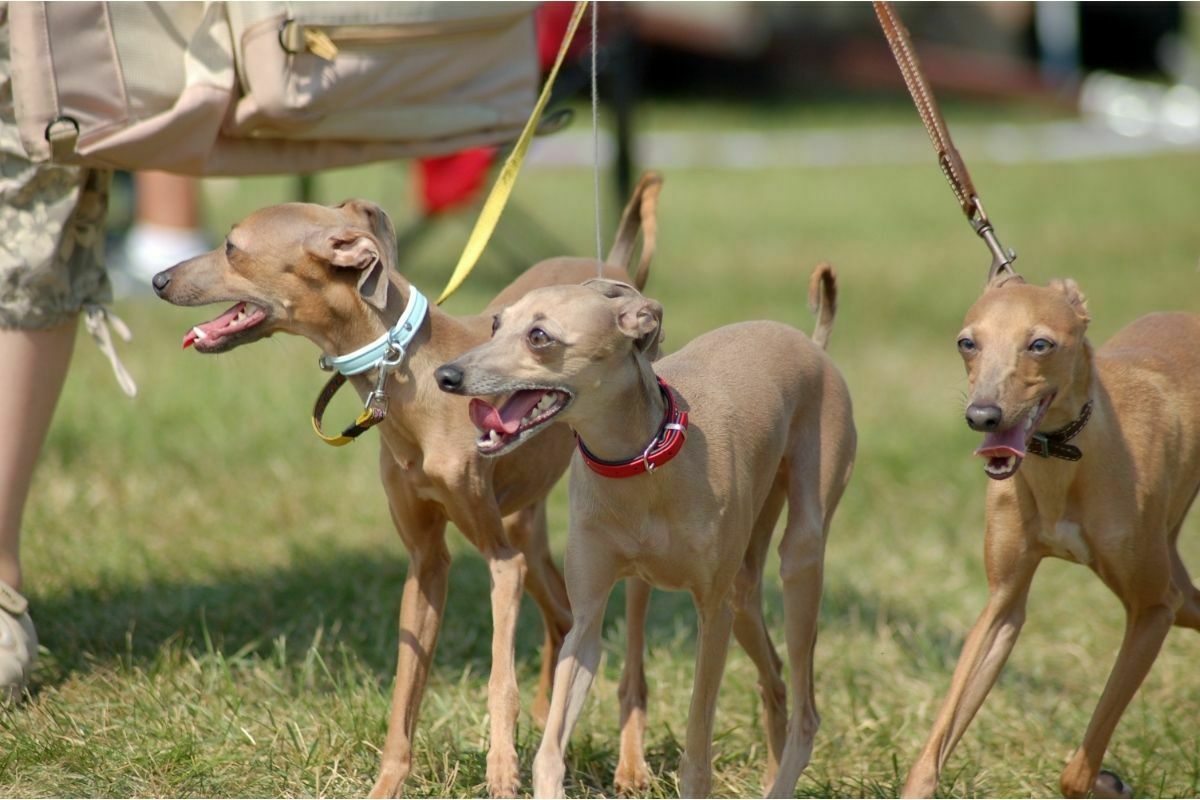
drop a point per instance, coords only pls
(216, 590)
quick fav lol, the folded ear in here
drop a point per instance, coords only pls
(1075, 298)
(351, 248)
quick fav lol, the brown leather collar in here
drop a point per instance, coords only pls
(1054, 444)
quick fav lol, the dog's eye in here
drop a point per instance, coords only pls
(1041, 346)
(966, 345)
(495, 324)
(229, 248)
(539, 338)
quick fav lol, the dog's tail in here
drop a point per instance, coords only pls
(639, 214)
(822, 301)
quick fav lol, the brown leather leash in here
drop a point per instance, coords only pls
(948, 157)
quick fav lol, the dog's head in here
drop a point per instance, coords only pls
(297, 268)
(1021, 345)
(556, 352)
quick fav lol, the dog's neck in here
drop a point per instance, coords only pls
(1070, 402)
(630, 416)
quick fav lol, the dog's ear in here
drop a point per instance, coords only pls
(351, 248)
(638, 317)
(1074, 297)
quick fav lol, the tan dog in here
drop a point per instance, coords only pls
(1116, 509)
(328, 274)
(770, 421)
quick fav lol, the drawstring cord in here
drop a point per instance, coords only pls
(97, 318)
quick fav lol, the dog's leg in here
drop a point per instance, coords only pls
(1145, 586)
(507, 567)
(422, 529)
(543, 581)
(1188, 615)
(751, 630)
(590, 579)
(1010, 565)
(801, 570)
(712, 647)
(632, 775)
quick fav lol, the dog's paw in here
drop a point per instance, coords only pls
(631, 779)
(389, 783)
(1109, 785)
(503, 776)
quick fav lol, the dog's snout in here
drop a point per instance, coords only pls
(984, 417)
(449, 377)
(160, 281)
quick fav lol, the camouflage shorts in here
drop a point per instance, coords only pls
(51, 227)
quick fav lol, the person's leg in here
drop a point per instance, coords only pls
(33, 365)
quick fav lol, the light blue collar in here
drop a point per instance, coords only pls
(390, 347)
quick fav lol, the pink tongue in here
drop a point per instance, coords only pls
(212, 325)
(1004, 443)
(506, 420)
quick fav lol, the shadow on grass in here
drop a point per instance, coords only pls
(350, 600)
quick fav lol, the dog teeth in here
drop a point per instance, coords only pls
(545, 403)
(199, 333)
(493, 437)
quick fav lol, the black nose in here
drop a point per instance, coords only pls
(449, 377)
(160, 281)
(983, 418)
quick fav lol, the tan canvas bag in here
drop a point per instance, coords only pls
(267, 87)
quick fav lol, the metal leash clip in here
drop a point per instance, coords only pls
(1001, 259)
(377, 401)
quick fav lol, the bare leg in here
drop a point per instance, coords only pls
(632, 774)
(33, 367)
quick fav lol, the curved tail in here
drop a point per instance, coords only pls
(822, 301)
(640, 214)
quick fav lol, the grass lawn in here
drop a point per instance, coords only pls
(216, 590)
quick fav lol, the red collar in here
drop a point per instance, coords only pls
(665, 445)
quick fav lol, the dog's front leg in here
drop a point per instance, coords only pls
(422, 527)
(1145, 587)
(590, 578)
(632, 775)
(712, 646)
(1010, 564)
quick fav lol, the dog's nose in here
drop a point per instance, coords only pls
(449, 377)
(984, 417)
(160, 281)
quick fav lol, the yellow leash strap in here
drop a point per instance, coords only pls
(372, 414)
(493, 207)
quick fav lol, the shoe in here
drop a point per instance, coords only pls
(18, 643)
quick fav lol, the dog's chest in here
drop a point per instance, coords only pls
(1065, 540)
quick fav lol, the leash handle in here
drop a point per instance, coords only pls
(949, 159)
(489, 215)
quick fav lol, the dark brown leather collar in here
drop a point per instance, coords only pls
(1054, 444)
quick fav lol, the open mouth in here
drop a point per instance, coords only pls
(218, 334)
(525, 412)
(1005, 450)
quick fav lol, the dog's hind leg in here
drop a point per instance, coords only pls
(632, 775)
(422, 528)
(751, 629)
(527, 530)
(1188, 615)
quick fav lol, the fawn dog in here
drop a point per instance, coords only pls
(1116, 435)
(766, 418)
(328, 273)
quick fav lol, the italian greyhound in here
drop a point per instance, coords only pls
(739, 421)
(1095, 458)
(328, 273)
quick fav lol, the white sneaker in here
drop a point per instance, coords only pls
(18, 643)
